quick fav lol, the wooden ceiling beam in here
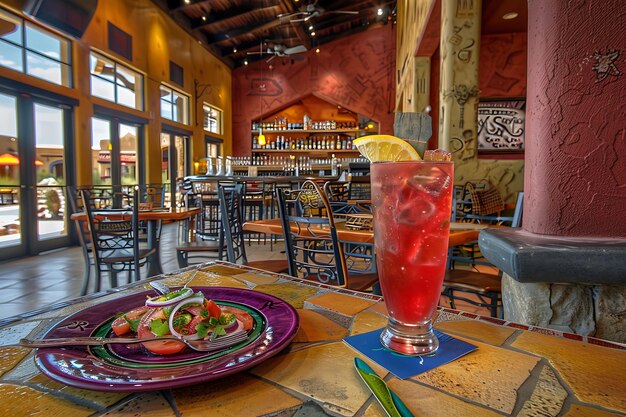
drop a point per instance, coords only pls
(236, 33)
(178, 5)
(302, 35)
(233, 12)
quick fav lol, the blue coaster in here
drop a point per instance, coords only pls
(403, 366)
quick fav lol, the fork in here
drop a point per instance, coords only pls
(200, 345)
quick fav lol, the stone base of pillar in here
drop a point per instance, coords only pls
(589, 310)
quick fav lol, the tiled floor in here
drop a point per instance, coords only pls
(33, 282)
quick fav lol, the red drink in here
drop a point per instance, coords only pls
(412, 203)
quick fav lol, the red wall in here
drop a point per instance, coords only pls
(503, 65)
(356, 72)
(575, 178)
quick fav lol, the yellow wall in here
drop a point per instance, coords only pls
(411, 20)
(157, 40)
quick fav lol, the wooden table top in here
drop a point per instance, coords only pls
(459, 235)
(516, 370)
(171, 214)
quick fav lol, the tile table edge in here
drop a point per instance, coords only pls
(245, 269)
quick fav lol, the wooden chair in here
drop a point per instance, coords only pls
(115, 245)
(231, 207)
(313, 248)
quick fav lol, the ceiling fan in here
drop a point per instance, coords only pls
(312, 10)
(281, 51)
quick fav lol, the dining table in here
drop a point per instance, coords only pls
(460, 233)
(299, 363)
(154, 217)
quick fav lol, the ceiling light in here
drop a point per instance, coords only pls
(204, 18)
(379, 12)
(317, 50)
(245, 62)
(235, 50)
(311, 27)
(312, 33)
(187, 1)
(510, 16)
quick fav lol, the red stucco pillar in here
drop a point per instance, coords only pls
(575, 177)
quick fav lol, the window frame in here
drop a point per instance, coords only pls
(65, 49)
(187, 113)
(219, 120)
(116, 83)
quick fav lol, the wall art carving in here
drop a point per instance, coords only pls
(501, 125)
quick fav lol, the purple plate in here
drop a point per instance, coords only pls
(122, 369)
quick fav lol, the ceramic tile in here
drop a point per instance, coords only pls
(366, 321)
(380, 308)
(234, 396)
(485, 332)
(150, 404)
(490, 376)
(30, 402)
(290, 292)
(10, 357)
(547, 398)
(324, 373)
(213, 280)
(341, 303)
(258, 279)
(102, 399)
(223, 270)
(578, 410)
(425, 401)
(12, 335)
(374, 410)
(595, 374)
(315, 327)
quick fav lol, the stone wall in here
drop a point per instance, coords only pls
(591, 310)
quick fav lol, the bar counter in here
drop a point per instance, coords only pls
(516, 370)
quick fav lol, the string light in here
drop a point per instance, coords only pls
(245, 62)
(204, 18)
(312, 33)
(317, 50)
(379, 12)
(235, 50)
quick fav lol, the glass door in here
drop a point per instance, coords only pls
(34, 139)
(116, 161)
(174, 164)
(10, 230)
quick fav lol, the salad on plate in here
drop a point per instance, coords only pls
(182, 313)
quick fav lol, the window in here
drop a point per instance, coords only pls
(212, 119)
(35, 51)
(115, 82)
(174, 105)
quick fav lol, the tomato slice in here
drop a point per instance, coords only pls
(120, 325)
(214, 309)
(161, 347)
(243, 316)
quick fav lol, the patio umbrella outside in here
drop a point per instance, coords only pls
(8, 160)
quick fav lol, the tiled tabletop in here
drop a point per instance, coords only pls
(516, 371)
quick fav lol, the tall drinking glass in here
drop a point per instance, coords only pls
(412, 202)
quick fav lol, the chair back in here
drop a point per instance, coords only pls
(153, 195)
(311, 241)
(514, 220)
(231, 208)
(112, 230)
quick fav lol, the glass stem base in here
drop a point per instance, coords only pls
(410, 339)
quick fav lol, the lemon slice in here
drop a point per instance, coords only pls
(379, 148)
